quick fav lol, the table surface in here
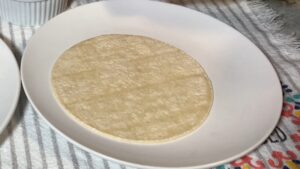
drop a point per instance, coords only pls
(28, 141)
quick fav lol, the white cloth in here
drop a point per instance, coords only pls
(29, 142)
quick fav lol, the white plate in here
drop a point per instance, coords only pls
(247, 92)
(9, 84)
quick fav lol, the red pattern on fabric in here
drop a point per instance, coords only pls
(296, 120)
(249, 160)
(287, 109)
(295, 137)
(280, 158)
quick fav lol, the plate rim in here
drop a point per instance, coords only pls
(15, 101)
(132, 164)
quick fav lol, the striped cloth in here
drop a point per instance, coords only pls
(28, 142)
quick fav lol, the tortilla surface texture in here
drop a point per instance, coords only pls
(132, 88)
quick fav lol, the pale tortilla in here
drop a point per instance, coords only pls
(132, 88)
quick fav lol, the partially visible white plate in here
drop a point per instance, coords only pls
(10, 84)
(247, 92)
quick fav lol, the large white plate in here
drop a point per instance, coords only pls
(247, 92)
(9, 84)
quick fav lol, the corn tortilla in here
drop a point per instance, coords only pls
(132, 88)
